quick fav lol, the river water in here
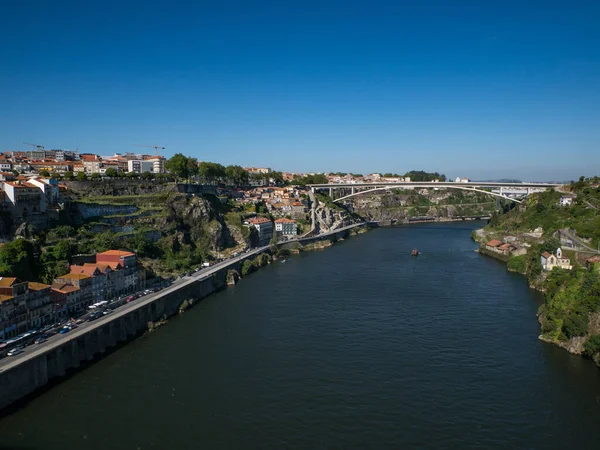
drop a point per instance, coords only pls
(360, 346)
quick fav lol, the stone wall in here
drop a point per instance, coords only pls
(37, 371)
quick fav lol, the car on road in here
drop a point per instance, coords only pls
(15, 351)
(65, 329)
(40, 340)
(95, 315)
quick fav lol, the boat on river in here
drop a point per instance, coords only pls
(414, 252)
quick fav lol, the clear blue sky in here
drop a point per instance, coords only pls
(470, 88)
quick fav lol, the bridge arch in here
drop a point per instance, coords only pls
(463, 188)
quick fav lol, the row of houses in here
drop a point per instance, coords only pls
(26, 305)
(88, 163)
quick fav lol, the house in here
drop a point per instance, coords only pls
(567, 199)
(126, 276)
(39, 304)
(84, 297)
(66, 299)
(264, 227)
(13, 295)
(550, 260)
(91, 162)
(25, 198)
(461, 180)
(286, 227)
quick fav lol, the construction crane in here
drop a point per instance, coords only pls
(155, 147)
(39, 147)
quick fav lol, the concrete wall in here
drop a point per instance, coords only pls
(37, 371)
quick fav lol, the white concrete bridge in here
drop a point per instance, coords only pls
(509, 191)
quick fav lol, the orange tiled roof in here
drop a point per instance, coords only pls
(7, 281)
(87, 270)
(4, 298)
(116, 253)
(64, 288)
(284, 220)
(75, 276)
(34, 286)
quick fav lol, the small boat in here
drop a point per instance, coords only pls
(414, 252)
(283, 261)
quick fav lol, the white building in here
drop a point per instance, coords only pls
(461, 180)
(550, 261)
(566, 200)
(264, 227)
(140, 166)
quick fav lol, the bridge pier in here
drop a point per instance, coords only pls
(331, 193)
(352, 190)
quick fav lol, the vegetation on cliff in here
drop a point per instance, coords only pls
(570, 315)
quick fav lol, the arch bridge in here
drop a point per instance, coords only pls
(508, 191)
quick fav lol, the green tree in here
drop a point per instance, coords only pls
(111, 172)
(62, 250)
(96, 176)
(236, 175)
(44, 173)
(81, 176)
(69, 176)
(17, 260)
(104, 241)
(178, 165)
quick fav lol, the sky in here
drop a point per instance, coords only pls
(478, 89)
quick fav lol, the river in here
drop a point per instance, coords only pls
(358, 346)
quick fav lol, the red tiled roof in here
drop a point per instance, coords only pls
(258, 220)
(284, 220)
(546, 255)
(494, 243)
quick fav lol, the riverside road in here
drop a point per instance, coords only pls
(57, 340)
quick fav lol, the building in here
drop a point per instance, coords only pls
(264, 170)
(91, 163)
(461, 180)
(140, 166)
(5, 165)
(264, 227)
(286, 227)
(158, 163)
(49, 186)
(567, 199)
(25, 198)
(127, 275)
(40, 305)
(66, 299)
(80, 301)
(550, 260)
(13, 299)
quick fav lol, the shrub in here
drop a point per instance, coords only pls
(592, 345)
(518, 264)
(575, 325)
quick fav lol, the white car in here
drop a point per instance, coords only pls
(15, 351)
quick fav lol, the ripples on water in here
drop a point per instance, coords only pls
(359, 346)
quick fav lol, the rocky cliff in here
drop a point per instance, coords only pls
(403, 205)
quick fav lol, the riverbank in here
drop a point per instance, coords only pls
(569, 317)
(25, 376)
